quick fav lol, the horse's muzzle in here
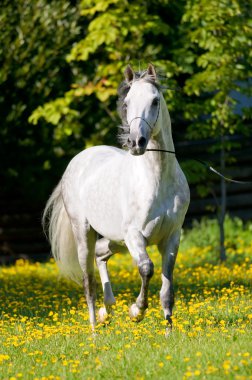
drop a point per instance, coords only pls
(137, 146)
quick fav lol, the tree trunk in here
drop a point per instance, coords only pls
(223, 203)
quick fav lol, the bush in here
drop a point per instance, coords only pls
(205, 235)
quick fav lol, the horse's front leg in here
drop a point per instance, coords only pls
(168, 249)
(136, 244)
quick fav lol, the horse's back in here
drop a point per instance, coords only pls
(91, 160)
(96, 155)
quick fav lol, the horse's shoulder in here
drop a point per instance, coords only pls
(182, 190)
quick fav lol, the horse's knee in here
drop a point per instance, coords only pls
(146, 268)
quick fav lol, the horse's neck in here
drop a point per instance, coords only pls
(164, 138)
(161, 164)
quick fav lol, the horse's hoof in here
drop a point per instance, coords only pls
(168, 331)
(135, 313)
(103, 316)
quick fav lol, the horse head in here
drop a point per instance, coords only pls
(140, 108)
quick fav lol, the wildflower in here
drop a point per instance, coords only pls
(246, 354)
(4, 357)
(98, 362)
(226, 365)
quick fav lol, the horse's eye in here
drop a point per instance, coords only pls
(155, 101)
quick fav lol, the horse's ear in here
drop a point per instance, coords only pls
(152, 71)
(129, 74)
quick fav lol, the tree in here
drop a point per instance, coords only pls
(218, 36)
(35, 37)
(199, 45)
(118, 32)
(202, 46)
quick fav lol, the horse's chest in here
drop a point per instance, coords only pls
(153, 229)
(162, 219)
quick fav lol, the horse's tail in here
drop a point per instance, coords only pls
(57, 226)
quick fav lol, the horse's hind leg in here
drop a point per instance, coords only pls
(137, 246)
(104, 249)
(85, 237)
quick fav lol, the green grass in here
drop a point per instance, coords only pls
(45, 332)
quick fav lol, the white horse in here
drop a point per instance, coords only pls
(132, 199)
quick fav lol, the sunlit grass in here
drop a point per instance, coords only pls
(45, 332)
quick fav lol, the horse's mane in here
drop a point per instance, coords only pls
(123, 90)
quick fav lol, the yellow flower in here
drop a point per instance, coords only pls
(226, 365)
(4, 357)
(246, 354)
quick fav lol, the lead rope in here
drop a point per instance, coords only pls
(210, 168)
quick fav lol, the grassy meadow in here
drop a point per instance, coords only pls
(45, 332)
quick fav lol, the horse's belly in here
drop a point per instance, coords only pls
(106, 225)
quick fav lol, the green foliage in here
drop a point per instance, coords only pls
(205, 233)
(189, 43)
(62, 61)
(217, 39)
(218, 35)
(35, 37)
(118, 32)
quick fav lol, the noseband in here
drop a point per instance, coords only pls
(139, 117)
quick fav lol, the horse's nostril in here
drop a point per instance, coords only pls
(131, 143)
(142, 142)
